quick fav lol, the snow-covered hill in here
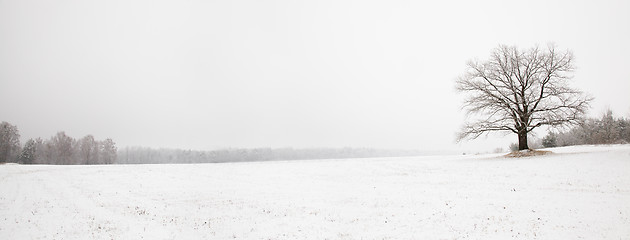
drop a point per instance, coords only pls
(577, 192)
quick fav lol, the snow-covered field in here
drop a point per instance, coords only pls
(576, 193)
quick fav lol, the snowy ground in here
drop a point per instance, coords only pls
(578, 192)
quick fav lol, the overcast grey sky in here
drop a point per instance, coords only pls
(212, 74)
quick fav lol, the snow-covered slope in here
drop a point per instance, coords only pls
(578, 192)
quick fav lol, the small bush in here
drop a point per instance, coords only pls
(514, 147)
(550, 141)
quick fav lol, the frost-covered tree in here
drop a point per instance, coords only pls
(88, 150)
(46, 153)
(29, 152)
(63, 149)
(520, 90)
(40, 151)
(624, 130)
(606, 129)
(107, 152)
(550, 140)
(9, 142)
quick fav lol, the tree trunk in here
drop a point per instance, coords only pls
(522, 140)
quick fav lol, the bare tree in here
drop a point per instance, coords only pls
(9, 142)
(517, 91)
(107, 152)
(88, 150)
(63, 149)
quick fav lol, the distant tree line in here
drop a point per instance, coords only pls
(63, 149)
(59, 149)
(605, 130)
(142, 155)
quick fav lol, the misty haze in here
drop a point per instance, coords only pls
(314, 120)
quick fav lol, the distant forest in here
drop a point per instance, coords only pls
(605, 130)
(59, 149)
(63, 149)
(136, 155)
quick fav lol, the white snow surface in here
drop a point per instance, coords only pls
(580, 192)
